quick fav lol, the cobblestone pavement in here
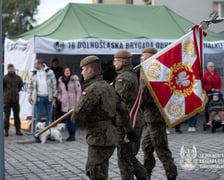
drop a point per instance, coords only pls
(25, 159)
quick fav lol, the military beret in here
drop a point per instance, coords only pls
(150, 50)
(123, 54)
(89, 60)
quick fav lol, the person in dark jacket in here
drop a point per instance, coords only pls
(216, 106)
(96, 109)
(58, 72)
(155, 138)
(126, 84)
(55, 66)
(110, 74)
(12, 84)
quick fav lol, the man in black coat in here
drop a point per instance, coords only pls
(12, 84)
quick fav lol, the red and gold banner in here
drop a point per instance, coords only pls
(174, 78)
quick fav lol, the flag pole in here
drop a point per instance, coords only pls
(55, 122)
(204, 25)
(162, 51)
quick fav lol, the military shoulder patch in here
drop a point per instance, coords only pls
(119, 80)
(84, 93)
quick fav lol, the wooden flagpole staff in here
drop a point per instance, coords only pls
(55, 122)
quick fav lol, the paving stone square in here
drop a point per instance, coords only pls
(26, 159)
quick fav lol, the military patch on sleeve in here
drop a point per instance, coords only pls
(83, 93)
(119, 80)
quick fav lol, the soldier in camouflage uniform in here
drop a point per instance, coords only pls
(12, 84)
(155, 137)
(96, 109)
(126, 85)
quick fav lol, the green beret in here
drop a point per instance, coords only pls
(89, 60)
(123, 54)
(150, 50)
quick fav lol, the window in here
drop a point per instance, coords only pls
(129, 1)
(219, 7)
(100, 1)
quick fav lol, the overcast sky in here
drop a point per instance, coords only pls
(48, 8)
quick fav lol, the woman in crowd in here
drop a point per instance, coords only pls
(212, 84)
(192, 123)
(69, 91)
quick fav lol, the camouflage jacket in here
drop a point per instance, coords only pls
(151, 111)
(12, 84)
(51, 85)
(96, 109)
(126, 84)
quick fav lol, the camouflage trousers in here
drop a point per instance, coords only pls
(7, 109)
(98, 162)
(156, 139)
(128, 164)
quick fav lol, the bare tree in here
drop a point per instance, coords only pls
(18, 15)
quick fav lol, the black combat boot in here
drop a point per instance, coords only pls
(36, 137)
(6, 132)
(171, 178)
(18, 132)
(71, 136)
(178, 131)
(146, 178)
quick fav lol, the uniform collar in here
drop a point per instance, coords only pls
(91, 79)
(123, 68)
(11, 74)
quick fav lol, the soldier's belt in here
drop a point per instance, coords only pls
(99, 123)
